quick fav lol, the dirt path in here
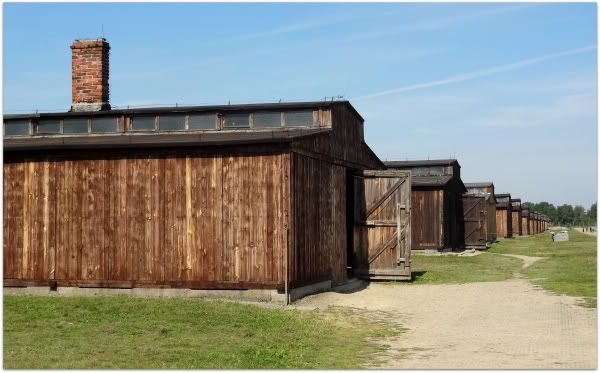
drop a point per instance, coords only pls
(580, 230)
(507, 324)
(527, 260)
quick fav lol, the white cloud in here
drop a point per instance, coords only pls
(478, 74)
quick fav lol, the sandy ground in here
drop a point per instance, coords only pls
(507, 324)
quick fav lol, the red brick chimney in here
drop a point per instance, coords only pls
(90, 75)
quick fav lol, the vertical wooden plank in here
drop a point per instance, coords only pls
(109, 217)
(189, 226)
(122, 262)
(216, 216)
(158, 220)
(14, 176)
(25, 272)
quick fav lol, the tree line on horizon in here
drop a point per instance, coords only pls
(566, 215)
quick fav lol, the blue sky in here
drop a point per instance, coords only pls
(508, 89)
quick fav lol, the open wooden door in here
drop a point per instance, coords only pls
(381, 237)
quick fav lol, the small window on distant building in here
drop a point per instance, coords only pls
(16, 128)
(237, 120)
(267, 120)
(174, 122)
(75, 125)
(301, 118)
(48, 126)
(436, 171)
(420, 171)
(104, 125)
(143, 123)
(202, 121)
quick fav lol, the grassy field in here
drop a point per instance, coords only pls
(125, 332)
(449, 269)
(568, 268)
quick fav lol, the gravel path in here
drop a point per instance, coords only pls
(506, 324)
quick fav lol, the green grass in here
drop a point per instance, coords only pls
(127, 332)
(568, 268)
(447, 269)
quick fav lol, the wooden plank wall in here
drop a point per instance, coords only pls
(372, 232)
(319, 210)
(427, 219)
(185, 219)
(524, 225)
(516, 223)
(474, 220)
(344, 143)
(30, 221)
(504, 223)
(454, 225)
(491, 231)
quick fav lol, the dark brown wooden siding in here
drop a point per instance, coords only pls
(454, 225)
(516, 223)
(166, 219)
(319, 224)
(475, 221)
(427, 219)
(491, 231)
(344, 144)
(503, 223)
(525, 225)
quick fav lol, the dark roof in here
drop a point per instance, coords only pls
(486, 196)
(431, 180)
(515, 199)
(202, 108)
(161, 139)
(421, 163)
(484, 184)
(500, 203)
(184, 138)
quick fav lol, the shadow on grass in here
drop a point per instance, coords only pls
(415, 275)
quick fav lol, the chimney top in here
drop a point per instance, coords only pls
(90, 75)
(89, 43)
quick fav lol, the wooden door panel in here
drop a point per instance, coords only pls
(381, 243)
(474, 219)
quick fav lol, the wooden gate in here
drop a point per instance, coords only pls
(474, 217)
(381, 240)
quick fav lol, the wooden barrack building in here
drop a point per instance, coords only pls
(504, 224)
(525, 222)
(517, 227)
(479, 208)
(437, 207)
(205, 197)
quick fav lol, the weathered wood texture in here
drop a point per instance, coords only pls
(319, 221)
(453, 216)
(517, 228)
(344, 145)
(166, 219)
(427, 219)
(437, 219)
(503, 222)
(480, 220)
(525, 225)
(490, 216)
(382, 224)
(475, 221)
